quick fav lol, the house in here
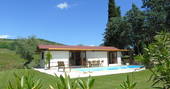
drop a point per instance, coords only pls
(80, 55)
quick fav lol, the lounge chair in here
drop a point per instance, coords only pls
(61, 65)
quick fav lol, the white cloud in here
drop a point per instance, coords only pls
(63, 5)
(4, 36)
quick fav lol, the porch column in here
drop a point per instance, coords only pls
(119, 60)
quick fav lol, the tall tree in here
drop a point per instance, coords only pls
(158, 14)
(113, 15)
(113, 10)
(118, 33)
(138, 35)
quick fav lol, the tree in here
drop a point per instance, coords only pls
(138, 35)
(156, 57)
(48, 58)
(158, 15)
(113, 10)
(113, 15)
(118, 33)
(26, 47)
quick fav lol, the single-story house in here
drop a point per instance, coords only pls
(80, 55)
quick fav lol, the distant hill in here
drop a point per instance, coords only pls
(6, 43)
(43, 41)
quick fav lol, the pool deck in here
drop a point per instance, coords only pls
(77, 74)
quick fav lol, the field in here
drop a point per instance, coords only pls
(101, 82)
(9, 60)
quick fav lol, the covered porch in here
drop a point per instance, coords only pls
(93, 58)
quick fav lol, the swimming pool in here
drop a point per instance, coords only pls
(108, 68)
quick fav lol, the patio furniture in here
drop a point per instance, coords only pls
(95, 63)
(89, 63)
(61, 65)
(98, 63)
(101, 63)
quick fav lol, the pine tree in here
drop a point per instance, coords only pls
(113, 13)
(113, 10)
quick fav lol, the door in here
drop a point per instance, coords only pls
(112, 57)
(75, 58)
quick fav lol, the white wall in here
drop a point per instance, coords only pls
(59, 56)
(90, 55)
(97, 55)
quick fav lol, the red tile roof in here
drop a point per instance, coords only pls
(81, 48)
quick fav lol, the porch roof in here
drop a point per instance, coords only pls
(80, 48)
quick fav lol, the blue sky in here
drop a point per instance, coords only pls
(71, 22)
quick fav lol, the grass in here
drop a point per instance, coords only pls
(101, 82)
(114, 81)
(9, 60)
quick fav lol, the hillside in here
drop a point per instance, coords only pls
(10, 60)
(6, 43)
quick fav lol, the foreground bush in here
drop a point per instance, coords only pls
(27, 81)
(128, 84)
(157, 58)
(24, 82)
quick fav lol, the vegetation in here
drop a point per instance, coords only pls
(89, 84)
(10, 60)
(25, 82)
(48, 58)
(113, 12)
(137, 28)
(67, 83)
(157, 58)
(64, 83)
(101, 82)
(128, 84)
(26, 47)
(10, 43)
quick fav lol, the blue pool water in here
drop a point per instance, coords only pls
(108, 68)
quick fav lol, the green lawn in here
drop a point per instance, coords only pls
(101, 82)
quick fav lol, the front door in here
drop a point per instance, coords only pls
(112, 57)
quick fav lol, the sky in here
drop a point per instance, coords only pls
(71, 22)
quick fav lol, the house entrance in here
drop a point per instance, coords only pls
(77, 58)
(112, 56)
